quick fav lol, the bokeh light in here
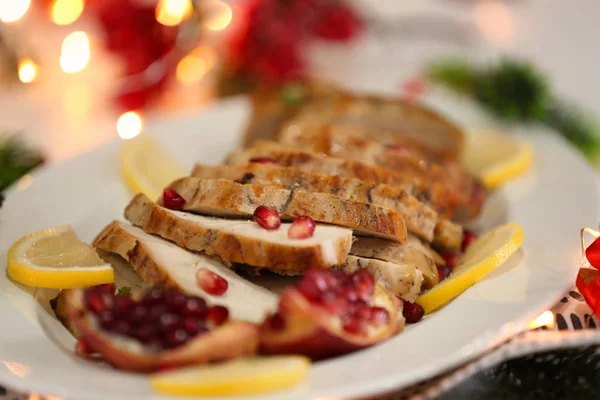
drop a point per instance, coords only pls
(75, 52)
(129, 125)
(65, 12)
(218, 15)
(172, 12)
(13, 10)
(27, 70)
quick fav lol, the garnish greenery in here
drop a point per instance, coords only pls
(124, 291)
(16, 160)
(516, 91)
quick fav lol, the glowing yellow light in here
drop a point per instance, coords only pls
(172, 12)
(65, 12)
(75, 52)
(34, 396)
(207, 54)
(545, 319)
(129, 125)
(191, 69)
(13, 10)
(27, 70)
(218, 16)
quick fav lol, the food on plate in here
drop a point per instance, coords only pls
(496, 158)
(55, 258)
(329, 313)
(163, 328)
(147, 167)
(226, 198)
(243, 376)
(242, 241)
(324, 239)
(482, 257)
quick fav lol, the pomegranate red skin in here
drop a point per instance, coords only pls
(307, 330)
(592, 253)
(231, 340)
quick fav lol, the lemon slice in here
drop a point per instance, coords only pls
(238, 377)
(55, 258)
(496, 157)
(482, 257)
(146, 167)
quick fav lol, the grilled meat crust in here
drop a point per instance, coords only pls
(227, 198)
(234, 244)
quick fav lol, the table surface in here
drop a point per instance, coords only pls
(68, 114)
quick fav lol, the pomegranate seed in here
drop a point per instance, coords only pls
(277, 322)
(592, 253)
(139, 313)
(167, 322)
(364, 311)
(175, 299)
(194, 307)
(153, 296)
(98, 301)
(353, 325)
(217, 315)
(413, 312)
(468, 239)
(267, 218)
(193, 326)
(334, 303)
(123, 304)
(444, 272)
(263, 160)
(106, 319)
(156, 311)
(302, 228)
(451, 259)
(176, 337)
(313, 284)
(364, 283)
(172, 200)
(211, 283)
(121, 328)
(379, 316)
(350, 294)
(145, 332)
(400, 150)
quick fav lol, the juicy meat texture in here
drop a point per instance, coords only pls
(448, 235)
(242, 241)
(161, 263)
(441, 197)
(413, 253)
(231, 199)
(403, 280)
(420, 219)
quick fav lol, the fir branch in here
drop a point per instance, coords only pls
(16, 160)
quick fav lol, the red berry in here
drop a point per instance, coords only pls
(267, 218)
(444, 272)
(313, 284)
(337, 23)
(172, 200)
(211, 283)
(353, 325)
(468, 239)
(413, 312)
(302, 228)
(451, 259)
(217, 315)
(364, 283)
(592, 253)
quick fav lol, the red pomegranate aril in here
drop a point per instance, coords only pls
(277, 322)
(168, 322)
(156, 312)
(379, 316)
(334, 303)
(267, 218)
(172, 200)
(122, 305)
(211, 283)
(139, 313)
(217, 315)
(451, 259)
(176, 337)
(145, 332)
(413, 312)
(592, 253)
(194, 307)
(193, 326)
(175, 299)
(106, 319)
(263, 160)
(313, 284)
(154, 296)
(121, 328)
(98, 301)
(468, 238)
(364, 311)
(353, 325)
(364, 283)
(443, 272)
(302, 228)
(350, 293)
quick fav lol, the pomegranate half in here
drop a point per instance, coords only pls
(159, 329)
(329, 313)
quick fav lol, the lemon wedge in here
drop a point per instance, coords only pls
(147, 167)
(496, 158)
(55, 258)
(238, 377)
(482, 257)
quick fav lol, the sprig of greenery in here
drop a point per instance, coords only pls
(124, 291)
(516, 91)
(16, 160)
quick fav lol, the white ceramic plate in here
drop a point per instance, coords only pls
(551, 203)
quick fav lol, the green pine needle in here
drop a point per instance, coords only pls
(16, 160)
(455, 74)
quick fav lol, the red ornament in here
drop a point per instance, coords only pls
(592, 253)
(588, 284)
(338, 22)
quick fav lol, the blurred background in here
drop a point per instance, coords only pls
(78, 73)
